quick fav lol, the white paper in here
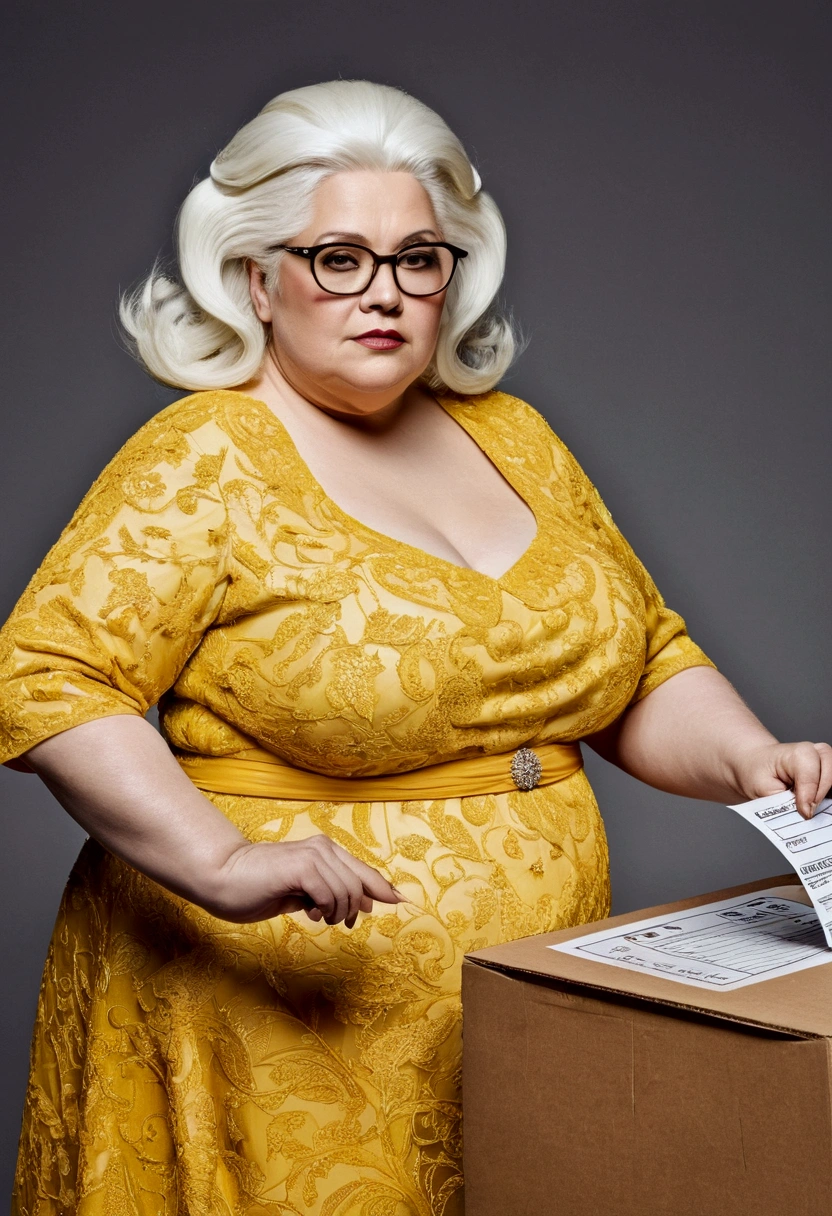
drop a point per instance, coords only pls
(720, 946)
(807, 843)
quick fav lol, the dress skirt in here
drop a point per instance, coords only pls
(187, 1066)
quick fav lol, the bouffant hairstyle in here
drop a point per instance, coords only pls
(197, 328)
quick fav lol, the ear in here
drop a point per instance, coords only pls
(259, 295)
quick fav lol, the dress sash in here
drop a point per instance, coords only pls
(260, 774)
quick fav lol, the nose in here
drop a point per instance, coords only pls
(383, 294)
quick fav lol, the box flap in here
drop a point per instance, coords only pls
(799, 1004)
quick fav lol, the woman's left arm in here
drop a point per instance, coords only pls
(695, 736)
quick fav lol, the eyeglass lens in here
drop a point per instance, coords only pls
(420, 271)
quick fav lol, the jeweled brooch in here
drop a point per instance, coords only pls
(526, 768)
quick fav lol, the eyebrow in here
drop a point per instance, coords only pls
(358, 238)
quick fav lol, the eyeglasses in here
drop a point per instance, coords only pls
(348, 270)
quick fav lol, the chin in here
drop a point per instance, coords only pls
(393, 380)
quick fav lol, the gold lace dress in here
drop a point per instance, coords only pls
(186, 1066)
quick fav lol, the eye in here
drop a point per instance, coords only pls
(418, 259)
(340, 259)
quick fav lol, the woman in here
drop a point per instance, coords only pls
(378, 604)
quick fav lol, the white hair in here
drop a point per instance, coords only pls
(203, 332)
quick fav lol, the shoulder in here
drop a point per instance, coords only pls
(184, 418)
(514, 420)
(177, 455)
(162, 451)
(500, 409)
(201, 425)
(524, 437)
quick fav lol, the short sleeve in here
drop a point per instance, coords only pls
(126, 594)
(668, 648)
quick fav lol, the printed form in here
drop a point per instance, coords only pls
(720, 946)
(807, 843)
(739, 941)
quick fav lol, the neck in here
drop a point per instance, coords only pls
(285, 388)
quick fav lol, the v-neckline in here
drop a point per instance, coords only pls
(447, 404)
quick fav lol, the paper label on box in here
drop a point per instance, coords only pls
(807, 843)
(719, 946)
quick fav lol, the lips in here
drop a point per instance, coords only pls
(381, 339)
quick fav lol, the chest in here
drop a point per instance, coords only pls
(431, 487)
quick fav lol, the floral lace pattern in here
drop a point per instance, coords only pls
(183, 1065)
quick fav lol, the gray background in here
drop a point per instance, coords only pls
(664, 173)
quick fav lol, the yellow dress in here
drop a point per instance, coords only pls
(187, 1066)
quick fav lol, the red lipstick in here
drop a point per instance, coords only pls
(381, 339)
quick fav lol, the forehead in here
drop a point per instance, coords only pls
(373, 203)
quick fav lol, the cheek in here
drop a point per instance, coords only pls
(306, 320)
(426, 323)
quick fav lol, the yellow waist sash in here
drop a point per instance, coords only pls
(260, 774)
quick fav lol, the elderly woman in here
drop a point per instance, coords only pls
(378, 604)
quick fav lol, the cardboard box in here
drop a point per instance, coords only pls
(590, 1090)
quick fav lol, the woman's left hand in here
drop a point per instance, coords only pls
(695, 736)
(804, 767)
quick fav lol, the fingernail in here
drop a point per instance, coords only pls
(398, 892)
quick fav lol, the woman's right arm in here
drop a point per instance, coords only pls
(102, 631)
(118, 779)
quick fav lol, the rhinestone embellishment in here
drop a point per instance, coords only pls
(526, 768)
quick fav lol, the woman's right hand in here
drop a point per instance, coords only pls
(314, 875)
(117, 778)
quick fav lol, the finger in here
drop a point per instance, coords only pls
(353, 884)
(339, 891)
(374, 883)
(299, 903)
(315, 885)
(806, 767)
(825, 781)
(305, 904)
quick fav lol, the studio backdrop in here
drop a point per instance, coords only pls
(664, 173)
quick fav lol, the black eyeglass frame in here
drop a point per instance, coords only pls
(390, 259)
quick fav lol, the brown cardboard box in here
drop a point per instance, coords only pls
(594, 1091)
